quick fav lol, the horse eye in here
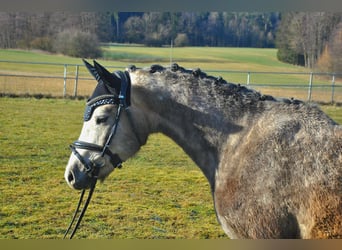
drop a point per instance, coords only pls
(101, 120)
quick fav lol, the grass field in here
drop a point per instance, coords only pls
(229, 63)
(207, 58)
(159, 193)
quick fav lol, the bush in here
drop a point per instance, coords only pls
(181, 40)
(77, 44)
(42, 43)
(288, 55)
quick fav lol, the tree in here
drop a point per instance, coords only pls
(134, 30)
(287, 50)
(306, 34)
(157, 28)
(105, 27)
(7, 26)
(336, 49)
(332, 54)
(77, 43)
(181, 40)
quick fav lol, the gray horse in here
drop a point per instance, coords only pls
(274, 165)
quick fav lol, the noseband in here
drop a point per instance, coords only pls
(91, 168)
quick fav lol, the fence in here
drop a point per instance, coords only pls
(48, 79)
(65, 80)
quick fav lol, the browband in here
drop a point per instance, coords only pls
(98, 101)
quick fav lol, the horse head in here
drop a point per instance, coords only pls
(108, 136)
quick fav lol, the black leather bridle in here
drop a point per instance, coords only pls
(92, 169)
(122, 102)
(116, 161)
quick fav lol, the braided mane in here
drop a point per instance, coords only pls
(228, 89)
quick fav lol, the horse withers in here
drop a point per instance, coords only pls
(274, 165)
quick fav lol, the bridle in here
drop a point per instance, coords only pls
(116, 161)
(92, 169)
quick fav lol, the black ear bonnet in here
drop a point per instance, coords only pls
(112, 88)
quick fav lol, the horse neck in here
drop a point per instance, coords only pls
(197, 123)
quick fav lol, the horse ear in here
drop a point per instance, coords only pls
(111, 80)
(92, 70)
(103, 76)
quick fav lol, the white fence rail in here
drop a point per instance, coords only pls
(73, 80)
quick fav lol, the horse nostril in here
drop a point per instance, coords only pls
(70, 177)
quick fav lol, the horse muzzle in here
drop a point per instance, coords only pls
(78, 179)
(81, 173)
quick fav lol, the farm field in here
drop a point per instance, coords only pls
(158, 194)
(209, 58)
(118, 57)
(230, 63)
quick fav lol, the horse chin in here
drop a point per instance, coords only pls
(104, 173)
(102, 179)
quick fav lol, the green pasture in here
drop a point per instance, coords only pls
(158, 194)
(212, 58)
(230, 63)
(207, 58)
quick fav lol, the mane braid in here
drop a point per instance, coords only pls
(228, 89)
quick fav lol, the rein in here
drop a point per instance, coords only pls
(90, 167)
(90, 194)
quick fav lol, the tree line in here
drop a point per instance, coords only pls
(151, 28)
(234, 29)
(301, 38)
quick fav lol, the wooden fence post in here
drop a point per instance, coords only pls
(332, 88)
(65, 80)
(310, 87)
(76, 81)
(248, 77)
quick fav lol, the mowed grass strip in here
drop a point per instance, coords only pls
(159, 193)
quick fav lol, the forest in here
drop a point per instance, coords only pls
(310, 39)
